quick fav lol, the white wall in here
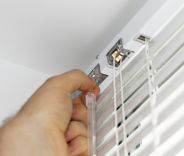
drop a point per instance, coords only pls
(53, 36)
(17, 83)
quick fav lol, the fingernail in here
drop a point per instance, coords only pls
(96, 91)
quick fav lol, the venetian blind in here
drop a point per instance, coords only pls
(141, 112)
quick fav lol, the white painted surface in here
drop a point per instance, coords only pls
(53, 36)
(17, 83)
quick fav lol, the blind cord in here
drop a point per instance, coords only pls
(152, 95)
(115, 107)
(123, 111)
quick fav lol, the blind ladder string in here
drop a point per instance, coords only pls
(115, 107)
(123, 111)
(153, 95)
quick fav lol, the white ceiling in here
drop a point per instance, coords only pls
(53, 36)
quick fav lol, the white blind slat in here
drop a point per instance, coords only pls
(130, 122)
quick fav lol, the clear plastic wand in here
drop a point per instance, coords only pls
(91, 106)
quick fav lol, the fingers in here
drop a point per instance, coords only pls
(76, 129)
(72, 81)
(77, 132)
(76, 137)
(79, 111)
(79, 146)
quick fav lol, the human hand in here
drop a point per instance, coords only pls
(51, 123)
